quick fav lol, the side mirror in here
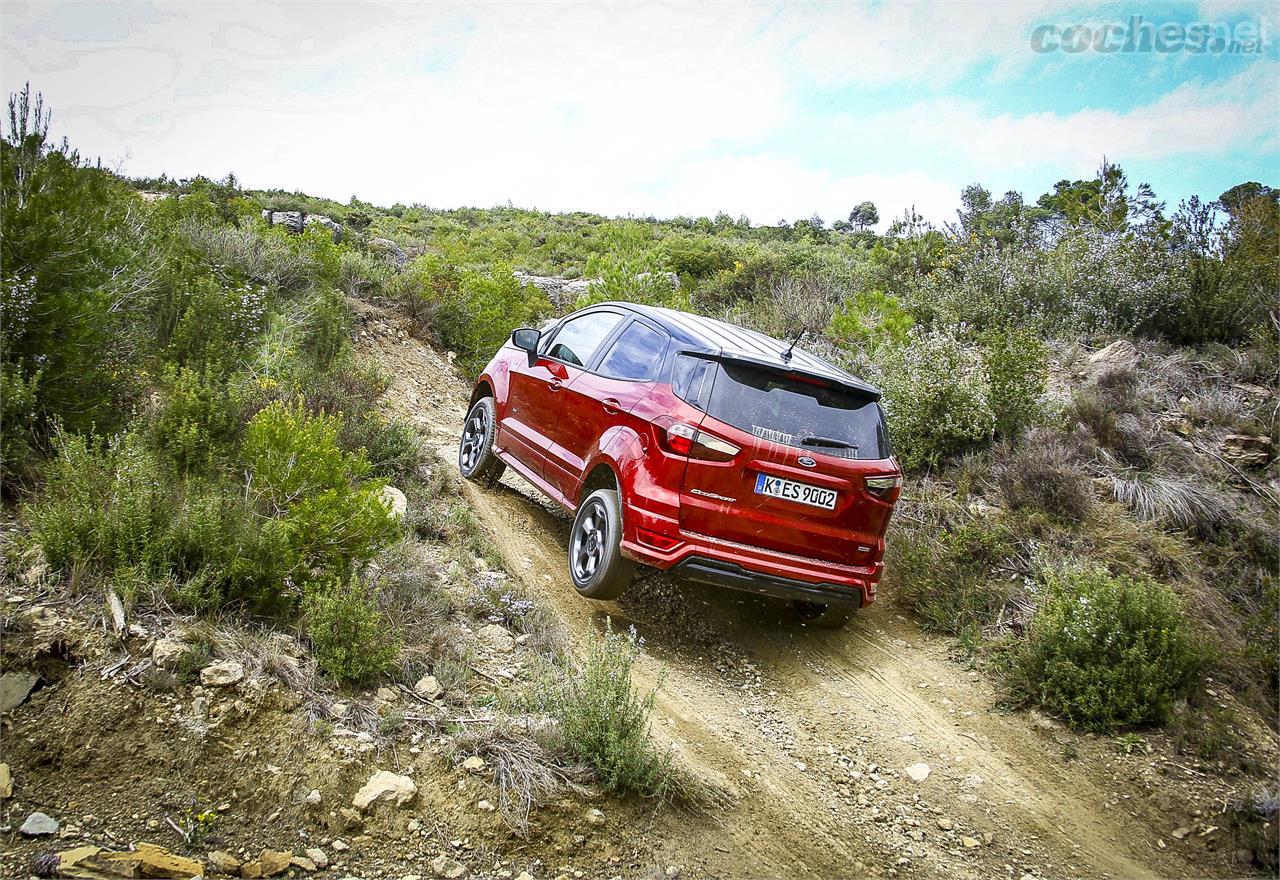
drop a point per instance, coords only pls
(526, 339)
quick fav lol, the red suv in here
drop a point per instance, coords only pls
(685, 443)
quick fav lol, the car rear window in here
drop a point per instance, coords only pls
(796, 411)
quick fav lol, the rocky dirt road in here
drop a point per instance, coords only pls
(863, 752)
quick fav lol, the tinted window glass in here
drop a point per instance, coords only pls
(636, 354)
(798, 413)
(579, 338)
(687, 379)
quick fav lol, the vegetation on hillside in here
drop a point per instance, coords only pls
(161, 358)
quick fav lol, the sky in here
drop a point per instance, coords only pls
(773, 111)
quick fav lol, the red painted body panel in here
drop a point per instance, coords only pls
(557, 423)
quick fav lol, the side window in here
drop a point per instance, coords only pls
(636, 354)
(688, 379)
(579, 338)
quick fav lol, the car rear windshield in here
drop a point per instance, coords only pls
(798, 411)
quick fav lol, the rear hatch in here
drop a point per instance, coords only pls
(807, 446)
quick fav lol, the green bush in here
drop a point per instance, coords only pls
(870, 319)
(605, 721)
(938, 398)
(948, 579)
(1107, 652)
(102, 508)
(197, 415)
(302, 478)
(351, 640)
(1017, 364)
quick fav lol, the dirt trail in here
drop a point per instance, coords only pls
(813, 729)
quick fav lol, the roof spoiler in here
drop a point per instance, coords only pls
(837, 378)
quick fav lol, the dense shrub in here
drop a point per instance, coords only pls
(300, 476)
(1043, 474)
(1017, 364)
(476, 316)
(605, 721)
(103, 507)
(351, 640)
(870, 319)
(950, 580)
(1107, 652)
(197, 415)
(938, 398)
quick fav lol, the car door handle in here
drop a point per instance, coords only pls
(611, 406)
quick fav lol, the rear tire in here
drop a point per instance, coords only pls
(596, 564)
(824, 616)
(476, 459)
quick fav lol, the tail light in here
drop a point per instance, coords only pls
(686, 440)
(887, 488)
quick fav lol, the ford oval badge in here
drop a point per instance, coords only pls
(806, 461)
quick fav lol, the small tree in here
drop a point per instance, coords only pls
(864, 216)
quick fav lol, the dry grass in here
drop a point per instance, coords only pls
(527, 771)
(1189, 504)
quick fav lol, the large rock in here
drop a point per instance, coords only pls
(39, 825)
(389, 250)
(335, 230)
(294, 221)
(1119, 355)
(223, 674)
(15, 687)
(385, 786)
(1246, 451)
(918, 772)
(395, 502)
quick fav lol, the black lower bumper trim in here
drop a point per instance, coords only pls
(735, 577)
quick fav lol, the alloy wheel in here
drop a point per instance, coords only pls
(589, 536)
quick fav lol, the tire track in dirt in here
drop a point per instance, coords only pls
(825, 722)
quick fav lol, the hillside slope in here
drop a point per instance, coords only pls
(814, 730)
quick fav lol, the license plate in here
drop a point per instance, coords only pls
(790, 490)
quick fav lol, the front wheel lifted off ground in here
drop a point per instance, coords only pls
(596, 564)
(476, 459)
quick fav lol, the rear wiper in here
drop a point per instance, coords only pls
(826, 441)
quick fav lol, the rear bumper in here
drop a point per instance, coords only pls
(737, 566)
(735, 577)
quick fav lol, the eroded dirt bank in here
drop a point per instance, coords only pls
(814, 730)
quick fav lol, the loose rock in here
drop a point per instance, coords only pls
(223, 674)
(15, 687)
(319, 857)
(6, 782)
(595, 817)
(395, 502)
(39, 825)
(269, 864)
(168, 653)
(449, 869)
(385, 786)
(427, 687)
(918, 772)
(224, 862)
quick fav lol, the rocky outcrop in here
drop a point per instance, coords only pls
(563, 291)
(389, 250)
(297, 221)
